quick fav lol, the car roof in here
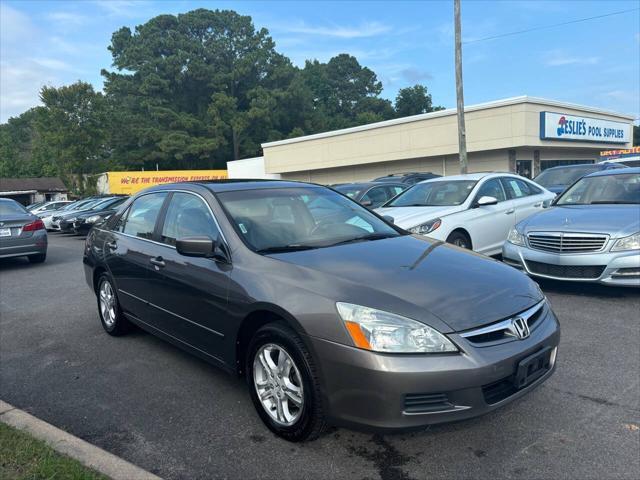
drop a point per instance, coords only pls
(370, 184)
(229, 185)
(469, 176)
(615, 171)
(580, 165)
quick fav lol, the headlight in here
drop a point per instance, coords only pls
(93, 219)
(380, 331)
(515, 237)
(427, 227)
(72, 219)
(631, 242)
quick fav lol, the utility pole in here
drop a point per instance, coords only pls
(462, 133)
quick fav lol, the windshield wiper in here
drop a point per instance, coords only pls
(285, 248)
(614, 202)
(370, 236)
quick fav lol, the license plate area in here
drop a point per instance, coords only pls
(533, 367)
(5, 232)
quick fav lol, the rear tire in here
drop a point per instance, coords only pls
(113, 320)
(39, 258)
(459, 239)
(287, 379)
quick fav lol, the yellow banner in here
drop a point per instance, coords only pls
(132, 182)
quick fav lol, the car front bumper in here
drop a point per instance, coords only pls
(36, 244)
(376, 391)
(608, 268)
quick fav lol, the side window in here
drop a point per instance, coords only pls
(142, 215)
(535, 190)
(187, 216)
(492, 188)
(377, 196)
(518, 188)
(396, 190)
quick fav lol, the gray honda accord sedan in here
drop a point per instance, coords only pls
(333, 315)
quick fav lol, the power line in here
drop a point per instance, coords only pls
(550, 26)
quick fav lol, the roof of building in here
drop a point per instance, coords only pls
(451, 111)
(40, 184)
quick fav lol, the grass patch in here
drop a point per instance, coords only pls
(23, 457)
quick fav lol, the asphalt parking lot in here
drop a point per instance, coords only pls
(179, 417)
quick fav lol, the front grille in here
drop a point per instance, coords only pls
(426, 402)
(561, 242)
(566, 271)
(502, 330)
(497, 391)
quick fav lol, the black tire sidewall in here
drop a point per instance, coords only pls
(283, 336)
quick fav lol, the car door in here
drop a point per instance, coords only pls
(489, 225)
(527, 198)
(127, 248)
(188, 295)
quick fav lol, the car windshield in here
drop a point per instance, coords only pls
(287, 219)
(105, 203)
(11, 208)
(603, 189)
(350, 190)
(436, 193)
(563, 176)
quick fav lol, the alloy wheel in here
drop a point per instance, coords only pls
(107, 304)
(278, 383)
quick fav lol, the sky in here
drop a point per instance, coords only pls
(594, 62)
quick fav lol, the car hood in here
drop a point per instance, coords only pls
(408, 217)
(615, 220)
(420, 278)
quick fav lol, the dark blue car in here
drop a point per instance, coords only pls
(557, 179)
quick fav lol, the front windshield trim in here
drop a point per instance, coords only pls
(299, 247)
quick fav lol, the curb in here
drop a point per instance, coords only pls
(89, 455)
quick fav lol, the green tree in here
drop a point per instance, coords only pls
(71, 124)
(198, 87)
(414, 101)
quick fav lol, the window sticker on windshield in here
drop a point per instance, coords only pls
(243, 229)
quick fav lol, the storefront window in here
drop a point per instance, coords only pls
(524, 168)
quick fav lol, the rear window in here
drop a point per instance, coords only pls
(11, 208)
(564, 176)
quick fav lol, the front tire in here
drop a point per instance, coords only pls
(459, 239)
(283, 384)
(111, 317)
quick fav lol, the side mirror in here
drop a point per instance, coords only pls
(388, 218)
(366, 203)
(195, 246)
(486, 200)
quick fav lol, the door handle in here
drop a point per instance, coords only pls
(158, 262)
(111, 245)
(539, 204)
(510, 211)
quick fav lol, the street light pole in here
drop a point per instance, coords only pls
(462, 133)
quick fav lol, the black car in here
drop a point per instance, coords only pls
(85, 221)
(557, 179)
(332, 314)
(66, 222)
(371, 194)
(409, 178)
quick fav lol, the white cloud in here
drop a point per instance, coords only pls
(558, 58)
(123, 8)
(366, 29)
(68, 18)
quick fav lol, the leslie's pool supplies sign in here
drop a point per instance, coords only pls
(560, 126)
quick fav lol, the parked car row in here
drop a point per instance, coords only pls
(80, 216)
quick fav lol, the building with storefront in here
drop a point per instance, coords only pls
(31, 190)
(521, 134)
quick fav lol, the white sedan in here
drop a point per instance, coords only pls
(474, 211)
